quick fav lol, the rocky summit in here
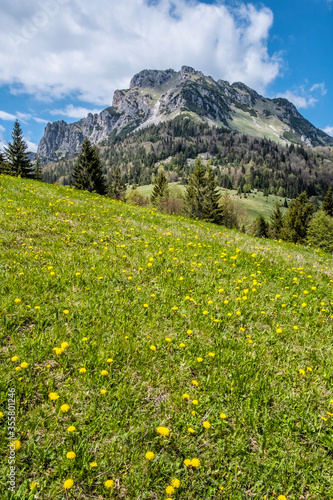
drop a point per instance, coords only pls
(156, 96)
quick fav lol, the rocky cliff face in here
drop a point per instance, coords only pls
(156, 96)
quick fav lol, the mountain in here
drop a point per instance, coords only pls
(157, 96)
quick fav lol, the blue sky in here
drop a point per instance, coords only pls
(60, 59)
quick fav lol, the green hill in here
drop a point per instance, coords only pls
(138, 320)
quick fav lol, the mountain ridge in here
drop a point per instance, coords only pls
(155, 96)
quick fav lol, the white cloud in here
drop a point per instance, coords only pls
(320, 87)
(40, 120)
(31, 145)
(328, 130)
(300, 101)
(74, 111)
(7, 116)
(303, 97)
(88, 49)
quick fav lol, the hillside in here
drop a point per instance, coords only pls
(174, 359)
(241, 162)
(155, 97)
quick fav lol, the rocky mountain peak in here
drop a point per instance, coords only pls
(151, 78)
(155, 96)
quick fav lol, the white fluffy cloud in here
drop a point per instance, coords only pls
(328, 130)
(60, 48)
(303, 97)
(74, 111)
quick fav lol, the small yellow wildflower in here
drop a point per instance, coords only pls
(169, 490)
(104, 372)
(103, 391)
(15, 358)
(71, 428)
(82, 370)
(175, 483)
(24, 364)
(150, 455)
(195, 462)
(206, 425)
(53, 396)
(191, 430)
(153, 348)
(164, 431)
(70, 455)
(68, 484)
(109, 483)
(93, 464)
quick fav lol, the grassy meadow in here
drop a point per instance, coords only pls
(254, 204)
(156, 357)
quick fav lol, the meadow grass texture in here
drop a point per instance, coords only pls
(156, 357)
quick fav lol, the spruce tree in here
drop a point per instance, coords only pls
(17, 156)
(328, 202)
(297, 219)
(88, 173)
(161, 190)
(202, 196)
(117, 187)
(320, 231)
(276, 221)
(3, 165)
(261, 227)
(38, 170)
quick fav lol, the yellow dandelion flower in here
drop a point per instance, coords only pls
(199, 360)
(33, 484)
(68, 484)
(104, 372)
(93, 464)
(109, 483)
(279, 330)
(82, 370)
(168, 339)
(195, 402)
(223, 415)
(195, 382)
(163, 431)
(66, 311)
(206, 425)
(301, 371)
(103, 391)
(193, 412)
(64, 345)
(1, 414)
(71, 428)
(181, 345)
(204, 312)
(153, 348)
(53, 396)
(281, 497)
(110, 360)
(238, 313)
(211, 354)
(17, 444)
(70, 455)
(15, 358)
(191, 430)
(58, 350)
(17, 301)
(309, 369)
(169, 490)
(323, 418)
(175, 483)
(304, 304)
(84, 339)
(189, 332)
(187, 462)
(186, 396)
(150, 455)
(174, 308)
(24, 364)
(195, 462)
(64, 408)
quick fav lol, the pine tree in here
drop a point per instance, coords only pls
(3, 165)
(17, 156)
(117, 187)
(320, 231)
(328, 202)
(261, 227)
(202, 196)
(161, 190)
(276, 221)
(88, 173)
(297, 219)
(38, 170)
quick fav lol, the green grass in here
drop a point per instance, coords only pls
(113, 280)
(254, 204)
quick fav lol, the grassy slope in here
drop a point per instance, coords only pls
(84, 267)
(255, 204)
